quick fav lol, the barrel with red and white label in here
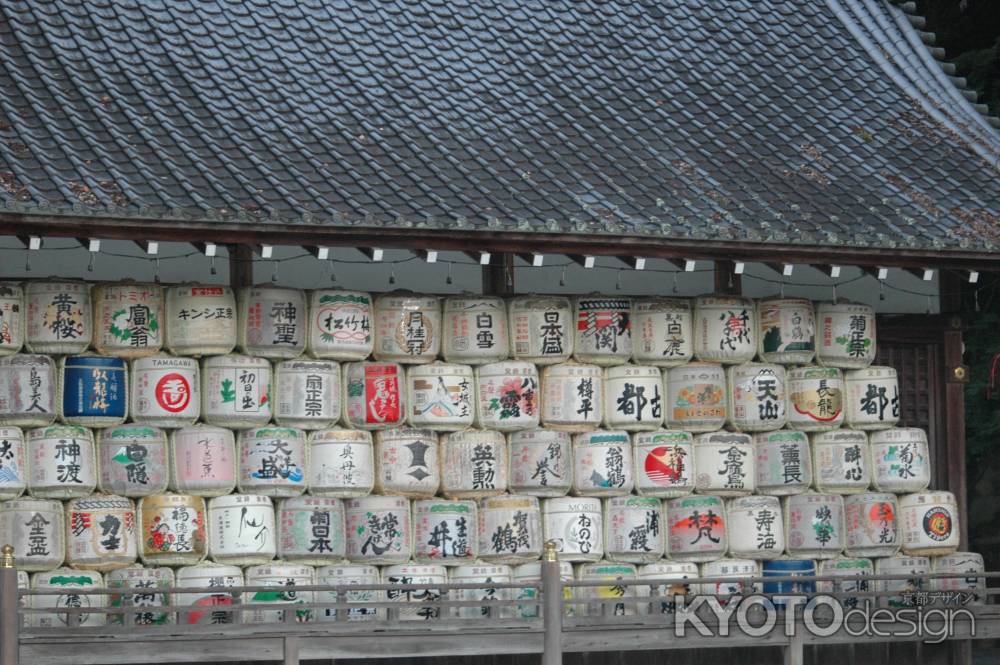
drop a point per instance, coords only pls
(474, 330)
(374, 395)
(311, 530)
(572, 397)
(132, 460)
(473, 464)
(633, 398)
(236, 391)
(726, 463)
(696, 528)
(845, 335)
(602, 463)
(664, 463)
(340, 325)
(128, 319)
(100, 532)
(603, 330)
(725, 329)
(60, 317)
(12, 318)
(815, 399)
(507, 396)
(662, 331)
(341, 463)
(929, 523)
(62, 463)
(541, 462)
(814, 525)
(272, 322)
(784, 462)
(201, 320)
(541, 329)
(172, 529)
(27, 390)
(407, 328)
(871, 522)
(210, 606)
(308, 393)
(166, 391)
(273, 461)
(203, 460)
(445, 532)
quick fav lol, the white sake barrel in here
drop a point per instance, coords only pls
(510, 529)
(311, 530)
(784, 462)
(374, 396)
(965, 565)
(407, 328)
(12, 319)
(633, 529)
(172, 530)
(815, 398)
(841, 461)
(307, 393)
(507, 396)
(872, 398)
(845, 335)
(929, 523)
(603, 330)
(814, 525)
(485, 574)
(441, 396)
(34, 528)
(132, 460)
(201, 320)
(787, 332)
(76, 587)
(166, 391)
(236, 391)
(273, 461)
(733, 573)
(851, 574)
(474, 330)
(663, 596)
(757, 397)
(241, 529)
(93, 391)
(62, 462)
(530, 575)
(602, 463)
(871, 525)
(572, 397)
(662, 331)
(633, 398)
(541, 329)
(379, 529)
(541, 462)
(616, 599)
(341, 463)
(128, 319)
(100, 532)
(344, 575)
(576, 525)
(340, 325)
(406, 462)
(60, 317)
(410, 573)
(285, 577)
(13, 463)
(445, 532)
(213, 578)
(901, 564)
(664, 463)
(146, 604)
(473, 464)
(696, 528)
(756, 527)
(203, 460)
(696, 397)
(27, 390)
(725, 329)
(726, 464)
(900, 460)
(272, 322)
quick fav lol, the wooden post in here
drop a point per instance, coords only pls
(956, 376)
(727, 282)
(290, 647)
(10, 620)
(240, 266)
(552, 606)
(498, 277)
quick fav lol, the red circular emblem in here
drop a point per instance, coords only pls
(173, 393)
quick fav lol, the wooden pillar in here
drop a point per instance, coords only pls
(498, 277)
(726, 280)
(956, 377)
(240, 266)
(10, 620)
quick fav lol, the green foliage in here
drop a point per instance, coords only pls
(982, 69)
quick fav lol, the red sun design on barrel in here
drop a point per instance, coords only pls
(173, 392)
(665, 465)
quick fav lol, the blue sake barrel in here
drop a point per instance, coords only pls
(787, 568)
(93, 391)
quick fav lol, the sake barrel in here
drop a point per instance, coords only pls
(541, 462)
(602, 463)
(100, 532)
(603, 334)
(734, 573)
(406, 462)
(846, 336)
(663, 597)
(814, 525)
(284, 577)
(60, 317)
(901, 564)
(61, 462)
(757, 397)
(473, 464)
(510, 529)
(441, 396)
(340, 325)
(615, 599)
(572, 397)
(870, 522)
(662, 328)
(213, 578)
(374, 396)
(841, 461)
(726, 464)
(146, 605)
(203, 460)
(341, 463)
(541, 329)
(13, 463)
(307, 393)
(787, 332)
(378, 530)
(788, 567)
(900, 460)
(783, 461)
(173, 529)
(311, 530)
(34, 528)
(76, 589)
(128, 319)
(756, 529)
(664, 463)
(507, 396)
(696, 397)
(530, 575)
(815, 399)
(416, 574)
(872, 398)
(633, 529)
(407, 328)
(965, 566)
(474, 330)
(132, 460)
(273, 461)
(166, 391)
(12, 319)
(696, 528)
(272, 322)
(852, 577)
(929, 523)
(725, 329)
(27, 390)
(575, 525)
(241, 529)
(633, 398)
(201, 320)
(93, 391)
(485, 575)
(236, 391)
(445, 532)
(347, 574)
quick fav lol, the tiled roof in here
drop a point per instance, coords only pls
(774, 121)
